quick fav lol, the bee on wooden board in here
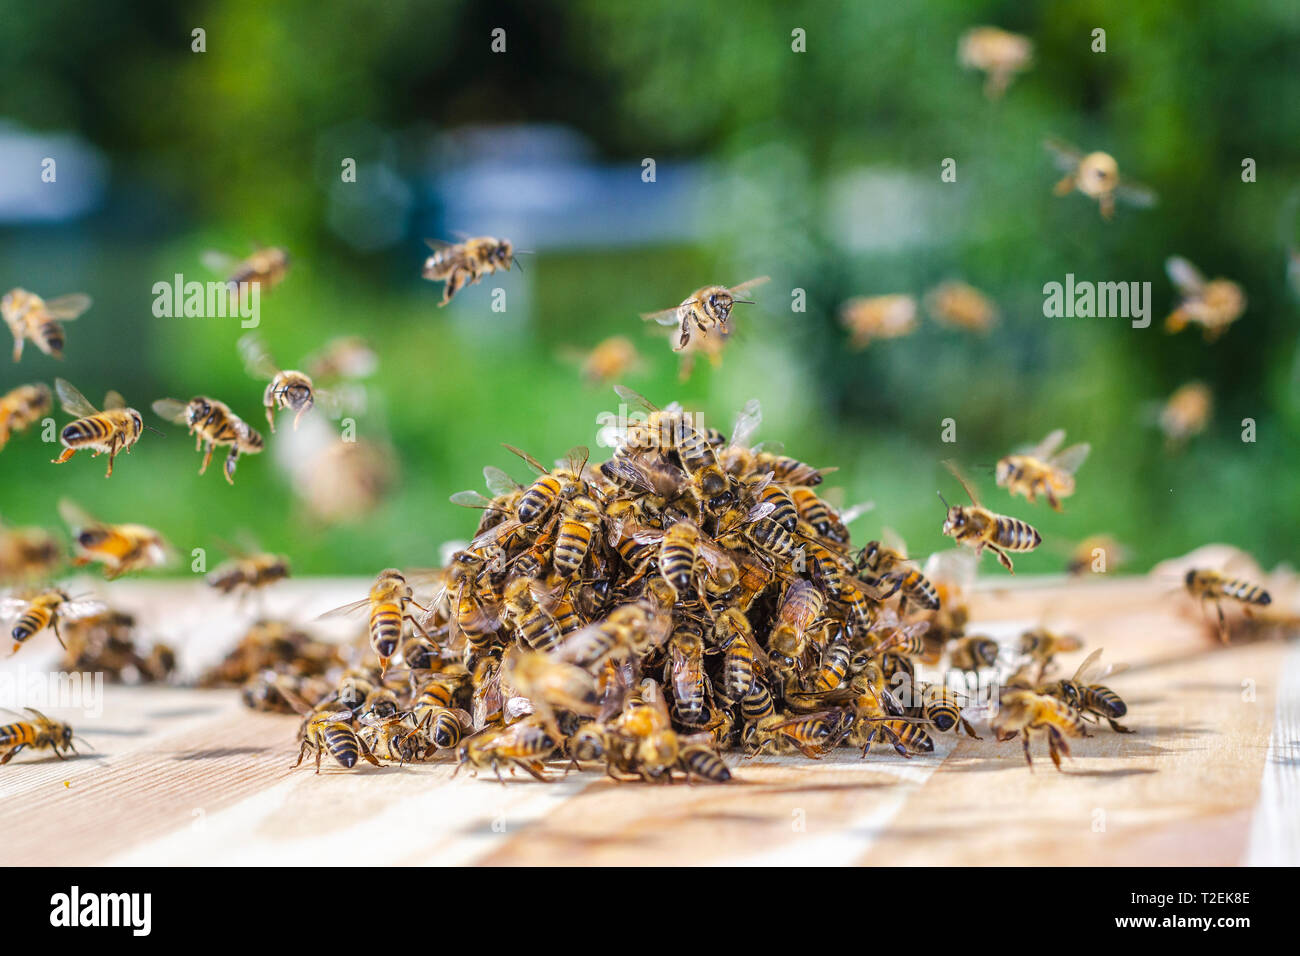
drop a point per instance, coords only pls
(1086, 694)
(37, 733)
(30, 317)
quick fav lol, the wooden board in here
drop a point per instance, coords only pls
(184, 776)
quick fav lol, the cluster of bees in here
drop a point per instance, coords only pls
(692, 595)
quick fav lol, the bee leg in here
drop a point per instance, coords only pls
(67, 453)
(1107, 203)
(1002, 557)
(9, 754)
(207, 459)
(685, 336)
(198, 442)
(297, 418)
(1053, 500)
(231, 461)
(1120, 728)
(18, 348)
(367, 752)
(1025, 744)
(55, 624)
(270, 416)
(1223, 624)
(1065, 186)
(320, 752)
(970, 731)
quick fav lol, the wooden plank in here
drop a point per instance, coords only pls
(184, 776)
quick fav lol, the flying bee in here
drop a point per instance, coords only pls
(1096, 175)
(869, 318)
(553, 486)
(265, 269)
(523, 745)
(31, 317)
(40, 733)
(113, 430)
(389, 602)
(1041, 646)
(1029, 713)
(1213, 304)
(610, 360)
(801, 607)
(704, 310)
(120, 548)
(286, 388)
(1186, 414)
(1215, 586)
(212, 423)
(996, 53)
(31, 615)
(1042, 470)
(248, 570)
(1086, 694)
(976, 527)
(332, 733)
(27, 553)
(961, 306)
(461, 263)
(888, 559)
(23, 407)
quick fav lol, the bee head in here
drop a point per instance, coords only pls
(504, 253)
(137, 423)
(197, 410)
(1190, 580)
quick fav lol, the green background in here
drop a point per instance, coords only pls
(241, 144)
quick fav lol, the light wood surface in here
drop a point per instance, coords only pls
(185, 776)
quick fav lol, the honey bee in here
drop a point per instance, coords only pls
(1098, 554)
(905, 734)
(265, 268)
(552, 486)
(27, 553)
(212, 423)
(41, 733)
(332, 733)
(1029, 713)
(393, 738)
(742, 656)
(610, 360)
(978, 528)
(1215, 586)
(684, 550)
(801, 607)
(971, 654)
(704, 310)
(23, 407)
(1085, 693)
(869, 318)
(523, 745)
(389, 602)
(550, 685)
(506, 493)
(1043, 470)
(460, 263)
(833, 669)
(31, 615)
(671, 430)
(248, 570)
(120, 548)
(1096, 175)
(943, 709)
(813, 735)
(643, 736)
(1214, 304)
(629, 629)
(1041, 646)
(524, 609)
(113, 430)
(31, 317)
(701, 760)
(684, 672)
(961, 306)
(580, 522)
(888, 559)
(286, 389)
(1186, 414)
(998, 54)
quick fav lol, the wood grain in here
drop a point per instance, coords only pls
(183, 776)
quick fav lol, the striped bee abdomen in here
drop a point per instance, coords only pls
(341, 742)
(1016, 535)
(386, 629)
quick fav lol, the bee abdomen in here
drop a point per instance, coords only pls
(385, 630)
(1016, 535)
(446, 731)
(16, 733)
(1104, 701)
(52, 339)
(1247, 593)
(704, 762)
(341, 742)
(571, 547)
(85, 431)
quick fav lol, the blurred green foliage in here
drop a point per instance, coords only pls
(233, 146)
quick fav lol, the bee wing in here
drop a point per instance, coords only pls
(171, 409)
(965, 483)
(77, 517)
(853, 512)
(533, 463)
(470, 499)
(953, 566)
(893, 540)
(754, 283)
(113, 399)
(1185, 276)
(220, 262)
(1064, 155)
(491, 534)
(635, 398)
(770, 447)
(1072, 459)
(714, 556)
(1088, 668)
(437, 245)
(577, 458)
(747, 421)
(647, 536)
(68, 307)
(630, 472)
(498, 482)
(1136, 194)
(73, 402)
(11, 607)
(257, 360)
(1045, 448)
(663, 316)
(344, 609)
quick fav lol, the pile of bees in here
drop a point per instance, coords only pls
(691, 596)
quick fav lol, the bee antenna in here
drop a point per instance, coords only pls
(514, 261)
(84, 741)
(156, 431)
(943, 499)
